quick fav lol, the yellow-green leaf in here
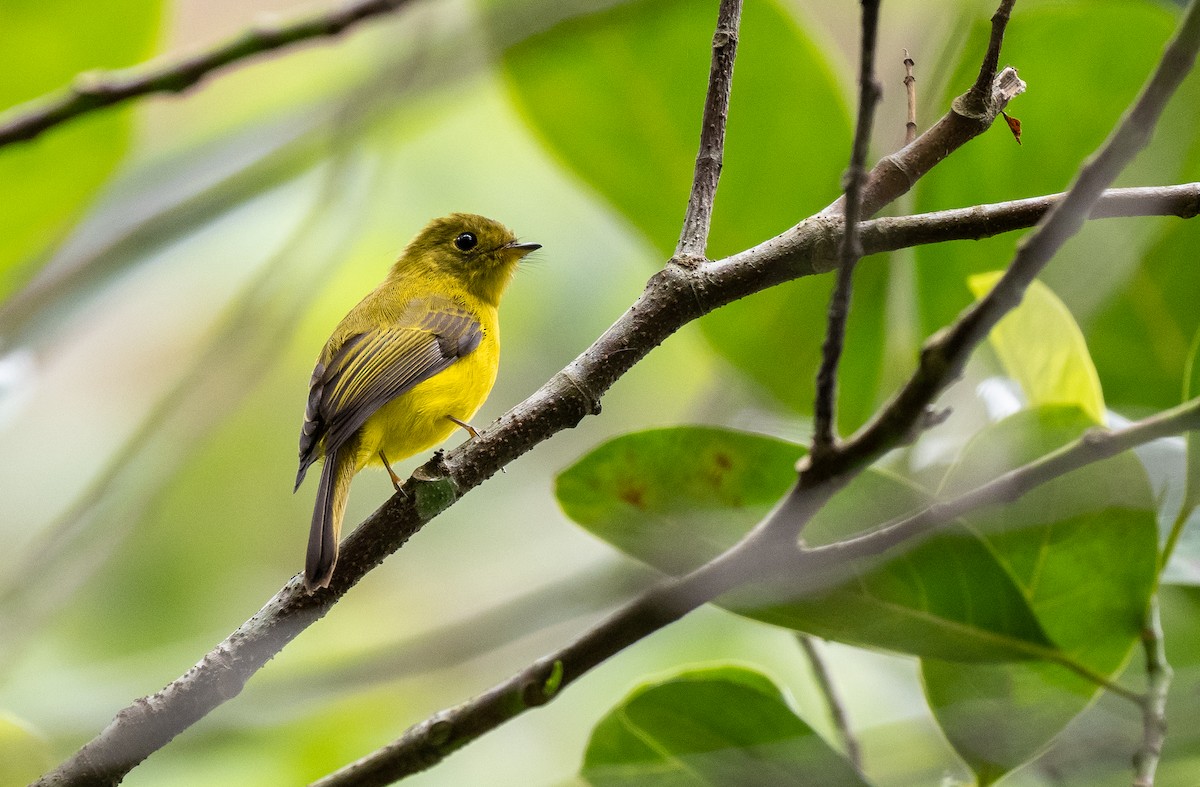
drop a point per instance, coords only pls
(1040, 346)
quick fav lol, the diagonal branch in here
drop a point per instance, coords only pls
(672, 298)
(668, 303)
(97, 90)
(1094, 446)
(693, 238)
(761, 552)
(945, 354)
(426, 743)
(851, 251)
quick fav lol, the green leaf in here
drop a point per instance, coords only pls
(1141, 338)
(676, 498)
(1059, 48)
(1040, 346)
(1140, 333)
(45, 182)
(716, 726)
(618, 95)
(1083, 551)
(945, 597)
(1096, 748)
(998, 716)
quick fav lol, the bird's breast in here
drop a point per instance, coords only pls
(419, 419)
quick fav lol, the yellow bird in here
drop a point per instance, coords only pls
(413, 360)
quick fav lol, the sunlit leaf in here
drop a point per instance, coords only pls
(718, 726)
(1041, 347)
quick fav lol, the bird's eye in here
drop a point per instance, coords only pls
(466, 241)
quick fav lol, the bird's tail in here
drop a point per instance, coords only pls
(327, 520)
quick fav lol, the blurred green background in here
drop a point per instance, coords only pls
(169, 270)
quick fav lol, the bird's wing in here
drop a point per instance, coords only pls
(374, 367)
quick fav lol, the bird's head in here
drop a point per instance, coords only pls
(479, 252)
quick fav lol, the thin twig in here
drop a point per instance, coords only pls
(837, 711)
(1154, 708)
(983, 221)
(979, 98)
(970, 115)
(825, 406)
(95, 90)
(693, 238)
(910, 89)
(945, 354)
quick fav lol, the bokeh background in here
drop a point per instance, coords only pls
(170, 269)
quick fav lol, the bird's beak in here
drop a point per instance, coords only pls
(521, 249)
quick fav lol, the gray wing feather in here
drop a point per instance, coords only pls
(375, 367)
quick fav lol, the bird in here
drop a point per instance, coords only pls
(412, 362)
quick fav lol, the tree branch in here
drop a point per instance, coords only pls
(825, 403)
(668, 303)
(984, 221)
(970, 115)
(1097, 444)
(693, 238)
(672, 298)
(759, 553)
(945, 354)
(95, 90)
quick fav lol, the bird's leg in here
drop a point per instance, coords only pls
(391, 472)
(470, 429)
